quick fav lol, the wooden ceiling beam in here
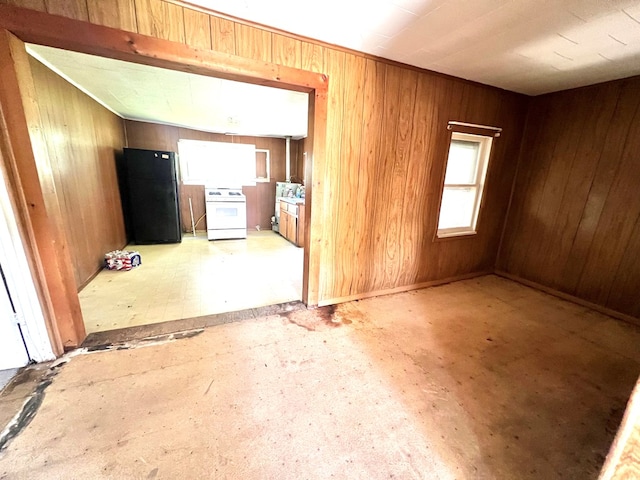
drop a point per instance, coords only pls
(54, 31)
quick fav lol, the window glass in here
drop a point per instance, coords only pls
(464, 177)
(462, 164)
(457, 207)
(217, 164)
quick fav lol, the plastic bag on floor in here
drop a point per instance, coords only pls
(122, 260)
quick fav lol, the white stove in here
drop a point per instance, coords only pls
(226, 210)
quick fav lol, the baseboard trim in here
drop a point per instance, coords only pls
(570, 298)
(95, 274)
(404, 288)
(88, 280)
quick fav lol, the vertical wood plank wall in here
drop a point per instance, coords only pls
(260, 198)
(83, 139)
(574, 224)
(385, 151)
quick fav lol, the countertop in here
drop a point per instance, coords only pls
(292, 200)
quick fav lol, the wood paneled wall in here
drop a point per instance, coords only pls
(297, 160)
(574, 224)
(386, 147)
(83, 139)
(260, 198)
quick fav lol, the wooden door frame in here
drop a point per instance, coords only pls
(19, 25)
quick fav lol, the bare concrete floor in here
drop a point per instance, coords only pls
(479, 379)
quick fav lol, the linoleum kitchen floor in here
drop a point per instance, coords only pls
(479, 379)
(194, 278)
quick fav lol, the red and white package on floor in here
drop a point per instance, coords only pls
(122, 260)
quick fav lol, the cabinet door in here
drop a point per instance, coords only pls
(284, 223)
(292, 234)
(287, 226)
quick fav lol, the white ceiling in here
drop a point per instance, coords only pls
(141, 92)
(527, 46)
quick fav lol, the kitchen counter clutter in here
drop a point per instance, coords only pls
(292, 213)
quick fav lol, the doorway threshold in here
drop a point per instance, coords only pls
(99, 340)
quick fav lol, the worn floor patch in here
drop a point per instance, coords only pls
(480, 379)
(318, 319)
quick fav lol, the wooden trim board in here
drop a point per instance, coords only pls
(528, 283)
(570, 298)
(404, 288)
(53, 31)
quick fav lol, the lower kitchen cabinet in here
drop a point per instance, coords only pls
(292, 222)
(290, 231)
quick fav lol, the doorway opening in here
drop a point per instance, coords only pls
(221, 194)
(32, 162)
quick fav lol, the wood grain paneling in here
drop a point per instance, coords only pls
(415, 236)
(76, 9)
(377, 184)
(287, 51)
(312, 57)
(153, 136)
(396, 242)
(345, 204)
(297, 161)
(223, 38)
(197, 29)
(301, 162)
(196, 194)
(253, 43)
(160, 19)
(31, 4)
(334, 67)
(364, 238)
(260, 198)
(265, 192)
(113, 13)
(83, 139)
(573, 223)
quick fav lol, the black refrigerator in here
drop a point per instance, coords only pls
(150, 202)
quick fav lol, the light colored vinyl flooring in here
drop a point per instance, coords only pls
(194, 278)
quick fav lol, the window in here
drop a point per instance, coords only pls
(463, 184)
(263, 165)
(217, 164)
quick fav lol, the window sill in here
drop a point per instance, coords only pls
(454, 235)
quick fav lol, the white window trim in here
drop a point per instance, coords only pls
(484, 153)
(266, 179)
